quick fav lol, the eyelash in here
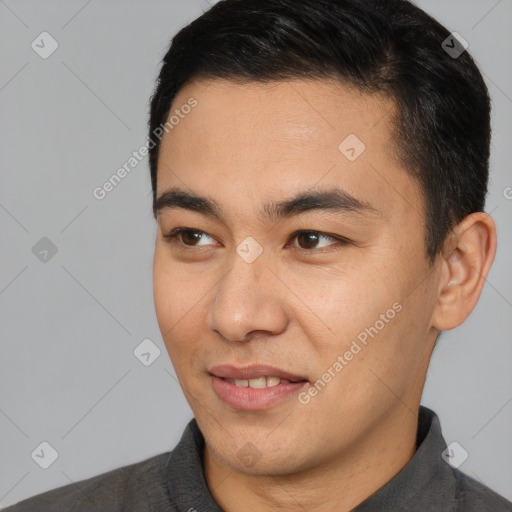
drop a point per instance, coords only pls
(172, 239)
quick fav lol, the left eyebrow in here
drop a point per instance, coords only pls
(333, 199)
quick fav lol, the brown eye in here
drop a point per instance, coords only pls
(186, 236)
(190, 237)
(308, 240)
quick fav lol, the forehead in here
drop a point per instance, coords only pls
(270, 139)
(296, 113)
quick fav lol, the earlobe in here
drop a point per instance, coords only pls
(467, 259)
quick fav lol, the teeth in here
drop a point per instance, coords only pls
(273, 381)
(258, 383)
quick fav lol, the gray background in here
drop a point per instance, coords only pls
(68, 328)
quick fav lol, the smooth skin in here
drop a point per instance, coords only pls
(303, 301)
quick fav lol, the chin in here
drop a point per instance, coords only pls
(265, 457)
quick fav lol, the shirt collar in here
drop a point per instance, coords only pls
(427, 469)
(425, 473)
(186, 482)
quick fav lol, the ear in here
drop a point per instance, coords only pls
(466, 260)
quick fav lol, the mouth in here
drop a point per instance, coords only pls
(267, 381)
(255, 387)
(255, 376)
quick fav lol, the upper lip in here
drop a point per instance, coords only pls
(253, 372)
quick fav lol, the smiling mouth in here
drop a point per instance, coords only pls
(255, 387)
(255, 376)
(260, 382)
(256, 394)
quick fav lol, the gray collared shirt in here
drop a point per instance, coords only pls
(174, 482)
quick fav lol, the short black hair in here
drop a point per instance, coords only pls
(442, 131)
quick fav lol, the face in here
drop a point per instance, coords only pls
(334, 291)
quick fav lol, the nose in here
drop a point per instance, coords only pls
(248, 299)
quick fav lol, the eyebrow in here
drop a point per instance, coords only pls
(334, 199)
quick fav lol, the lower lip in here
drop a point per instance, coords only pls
(251, 399)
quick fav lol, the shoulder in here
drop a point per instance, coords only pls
(471, 495)
(133, 487)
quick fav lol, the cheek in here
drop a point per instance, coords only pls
(175, 291)
(365, 315)
(179, 299)
(344, 303)
(163, 296)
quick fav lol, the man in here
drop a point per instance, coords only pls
(319, 187)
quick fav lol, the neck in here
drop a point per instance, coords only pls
(339, 484)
